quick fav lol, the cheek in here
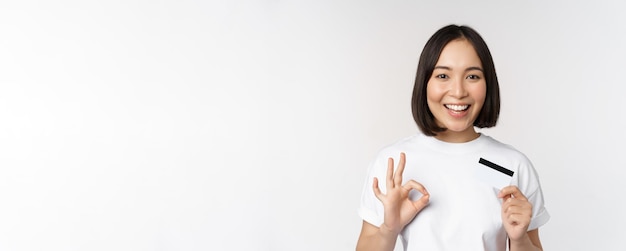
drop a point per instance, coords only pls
(432, 97)
(479, 93)
(433, 93)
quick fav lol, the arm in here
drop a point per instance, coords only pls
(530, 241)
(375, 238)
(399, 210)
(516, 217)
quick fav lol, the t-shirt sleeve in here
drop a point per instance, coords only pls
(529, 185)
(371, 209)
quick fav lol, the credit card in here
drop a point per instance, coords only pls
(493, 174)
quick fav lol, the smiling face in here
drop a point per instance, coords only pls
(456, 91)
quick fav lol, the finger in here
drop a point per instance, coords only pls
(511, 209)
(398, 174)
(518, 219)
(512, 214)
(517, 207)
(506, 192)
(511, 191)
(377, 191)
(412, 184)
(512, 219)
(509, 205)
(390, 173)
(422, 202)
(518, 202)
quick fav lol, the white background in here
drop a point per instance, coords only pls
(249, 125)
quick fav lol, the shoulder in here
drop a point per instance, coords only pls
(509, 157)
(401, 145)
(525, 176)
(497, 147)
(392, 150)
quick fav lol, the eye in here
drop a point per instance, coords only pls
(473, 77)
(441, 76)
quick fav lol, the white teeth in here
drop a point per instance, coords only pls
(457, 108)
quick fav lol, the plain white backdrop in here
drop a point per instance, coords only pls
(249, 125)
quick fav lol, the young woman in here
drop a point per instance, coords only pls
(435, 198)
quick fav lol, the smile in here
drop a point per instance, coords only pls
(457, 108)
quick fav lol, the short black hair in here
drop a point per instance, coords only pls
(488, 116)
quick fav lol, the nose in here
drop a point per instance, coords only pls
(457, 89)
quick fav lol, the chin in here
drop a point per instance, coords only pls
(456, 126)
(459, 129)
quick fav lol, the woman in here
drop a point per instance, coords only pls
(437, 198)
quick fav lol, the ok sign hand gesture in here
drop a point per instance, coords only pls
(399, 208)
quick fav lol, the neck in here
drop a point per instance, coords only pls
(457, 137)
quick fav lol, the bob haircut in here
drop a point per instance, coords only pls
(488, 116)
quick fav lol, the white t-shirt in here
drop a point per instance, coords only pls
(464, 212)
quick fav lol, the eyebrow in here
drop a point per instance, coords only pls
(471, 68)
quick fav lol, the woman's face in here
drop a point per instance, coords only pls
(456, 91)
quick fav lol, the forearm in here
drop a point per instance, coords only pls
(380, 240)
(524, 244)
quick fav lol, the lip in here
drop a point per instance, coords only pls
(457, 106)
(457, 114)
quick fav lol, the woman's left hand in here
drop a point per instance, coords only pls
(516, 212)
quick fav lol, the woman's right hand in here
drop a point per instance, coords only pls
(399, 208)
